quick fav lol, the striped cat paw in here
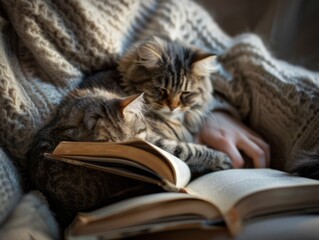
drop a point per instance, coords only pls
(221, 161)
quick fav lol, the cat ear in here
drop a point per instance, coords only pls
(150, 54)
(204, 64)
(133, 104)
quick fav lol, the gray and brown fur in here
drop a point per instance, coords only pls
(87, 114)
(177, 94)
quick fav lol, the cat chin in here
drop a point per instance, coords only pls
(176, 114)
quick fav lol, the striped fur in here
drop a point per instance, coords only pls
(85, 115)
(98, 115)
(178, 92)
(174, 82)
(173, 77)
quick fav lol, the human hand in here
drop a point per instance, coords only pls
(226, 134)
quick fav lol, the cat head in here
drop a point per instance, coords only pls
(97, 115)
(174, 77)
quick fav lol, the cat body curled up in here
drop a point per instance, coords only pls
(101, 111)
(89, 114)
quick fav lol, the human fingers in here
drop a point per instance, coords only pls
(252, 150)
(234, 154)
(264, 146)
(228, 146)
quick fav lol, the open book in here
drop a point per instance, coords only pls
(221, 199)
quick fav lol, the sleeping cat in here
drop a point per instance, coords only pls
(98, 111)
(174, 79)
(86, 115)
(178, 92)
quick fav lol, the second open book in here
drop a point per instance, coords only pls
(230, 197)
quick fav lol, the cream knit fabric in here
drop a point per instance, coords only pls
(10, 190)
(278, 100)
(47, 47)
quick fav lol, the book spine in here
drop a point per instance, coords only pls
(169, 187)
(233, 221)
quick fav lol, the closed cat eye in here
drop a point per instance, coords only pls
(164, 92)
(187, 93)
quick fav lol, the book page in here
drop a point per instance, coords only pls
(180, 168)
(102, 150)
(116, 166)
(225, 188)
(167, 166)
(133, 203)
(153, 208)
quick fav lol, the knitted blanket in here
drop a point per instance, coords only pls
(47, 47)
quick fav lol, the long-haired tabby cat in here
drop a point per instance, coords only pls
(174, 79)
(177, 92)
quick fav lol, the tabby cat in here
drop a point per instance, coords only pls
(87, 114)
(173, 80)
(178, 92)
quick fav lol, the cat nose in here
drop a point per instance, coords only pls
(172, 103)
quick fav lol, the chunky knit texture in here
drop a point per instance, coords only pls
(31, 219)
(47, 47)
(10, 190)
(278, 100)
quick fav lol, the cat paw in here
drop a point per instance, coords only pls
(221, 161)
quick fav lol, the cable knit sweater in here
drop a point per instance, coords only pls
(47, 47)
